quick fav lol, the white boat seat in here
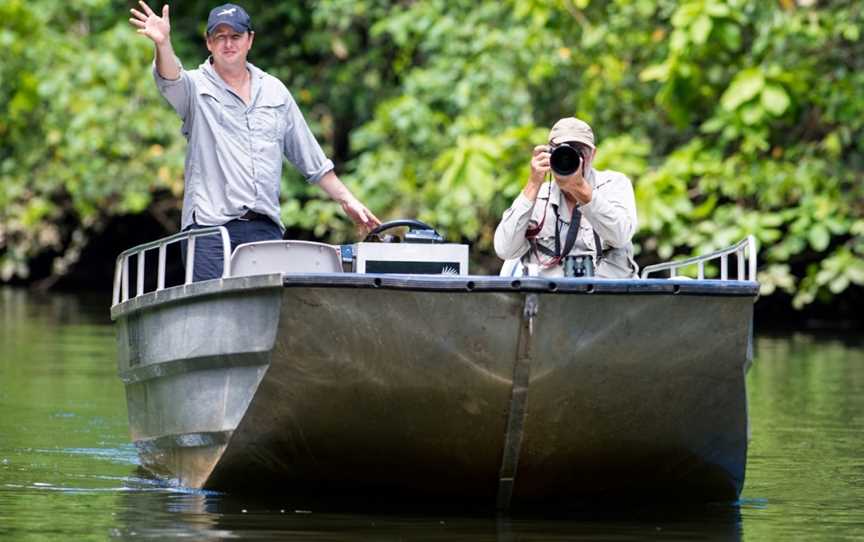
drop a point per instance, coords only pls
(266, 257)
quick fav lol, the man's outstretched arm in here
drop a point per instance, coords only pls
(158, 29)
(352, 207)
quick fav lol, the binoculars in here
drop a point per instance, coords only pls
(578, 266)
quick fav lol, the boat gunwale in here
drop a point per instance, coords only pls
(552, 285)
(440, 283)
(183, 292)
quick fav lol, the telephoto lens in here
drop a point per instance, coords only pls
(565, 159)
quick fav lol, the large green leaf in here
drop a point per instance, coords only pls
(775, 99)
(819, 237)
(746, 86)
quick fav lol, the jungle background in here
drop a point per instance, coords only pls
(731, 117)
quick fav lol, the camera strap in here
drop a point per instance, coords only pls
(572, 233)
(533, 231)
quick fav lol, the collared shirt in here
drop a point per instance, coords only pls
(611, 213)
(235, 150)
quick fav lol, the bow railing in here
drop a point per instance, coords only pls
(139, 253)
(743, 251)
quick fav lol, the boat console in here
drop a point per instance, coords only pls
(421, 251)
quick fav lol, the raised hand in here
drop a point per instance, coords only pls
(151, 25)
(540, 163)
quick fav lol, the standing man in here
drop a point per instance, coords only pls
(239, 122)
(581, 223)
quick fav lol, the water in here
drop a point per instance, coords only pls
(68, 471)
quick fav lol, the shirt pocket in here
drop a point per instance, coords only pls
(269, 119)
(211, 107)
(586, 233)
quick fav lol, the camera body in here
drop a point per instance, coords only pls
(566, 159)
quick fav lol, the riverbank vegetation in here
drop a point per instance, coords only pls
(731, 117)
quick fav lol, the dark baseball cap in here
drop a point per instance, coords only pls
(230, 14)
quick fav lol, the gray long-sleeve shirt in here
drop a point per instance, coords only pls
(611, 213)
(235, 150)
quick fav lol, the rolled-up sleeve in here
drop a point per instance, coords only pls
(612, 211)
(510, 239)
(177, 92)
(302, 149)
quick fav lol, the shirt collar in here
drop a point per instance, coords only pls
(255, 76)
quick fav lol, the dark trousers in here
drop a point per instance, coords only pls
(208, 248)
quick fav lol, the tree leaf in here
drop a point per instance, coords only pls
(746, 85)
(819, 237)
(774, 99)
(701, 29)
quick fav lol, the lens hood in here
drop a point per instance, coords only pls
(565, 160)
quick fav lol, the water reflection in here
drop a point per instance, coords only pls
(205, 516)
(68, 469)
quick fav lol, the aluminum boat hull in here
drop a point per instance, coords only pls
(412, 389)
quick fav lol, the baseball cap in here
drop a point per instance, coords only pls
(572, 129)
(230, 14)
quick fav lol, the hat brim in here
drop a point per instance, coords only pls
(237, 27)
(571, 139)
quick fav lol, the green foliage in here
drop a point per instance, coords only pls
(731, 117)
(84, 134)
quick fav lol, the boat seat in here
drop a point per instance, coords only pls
(266, 257)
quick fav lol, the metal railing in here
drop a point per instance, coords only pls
(746, 248)
(121, 269)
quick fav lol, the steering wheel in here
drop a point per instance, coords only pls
(413, 226)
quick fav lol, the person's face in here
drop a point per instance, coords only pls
(228, 46)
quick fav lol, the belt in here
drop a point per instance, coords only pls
(252, 215)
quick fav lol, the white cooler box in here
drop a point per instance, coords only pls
(411, 258)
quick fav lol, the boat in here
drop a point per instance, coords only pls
(301, 373)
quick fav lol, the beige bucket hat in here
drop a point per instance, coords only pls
(573, 130)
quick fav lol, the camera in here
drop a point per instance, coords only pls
(566, 159)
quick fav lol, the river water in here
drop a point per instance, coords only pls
(68, 470)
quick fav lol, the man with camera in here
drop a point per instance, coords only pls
(240, 122)
(580, 224)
